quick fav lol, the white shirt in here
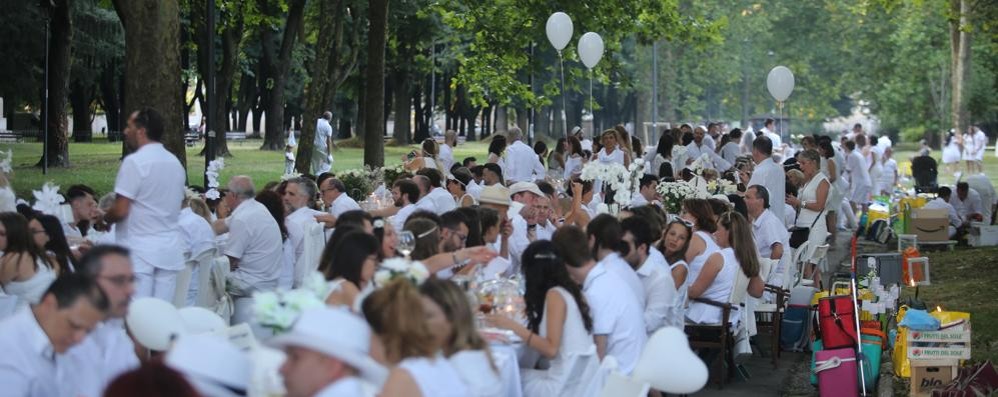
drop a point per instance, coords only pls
(474, 189)
(859, 174)
(709, 141)
(587, 144)
(255, 239)
(694, 152)
(296, 223)
(28, 364)
(107, 352)
(730, 152)
(967, 207)
(522, 164)
(345, 387)
(940, 204)
(398, 221)
(446, 157)
(614, 263)
(154, 180)
(770, 175)
(747, 138)
(343, 203)
(890, 172)
(767, 230)
(197, 233)
(638, 200)
(573, 166)
(659, 290)
(617, 316)
(518, 239)
(323, 131)
(773, 137)
(442, 200)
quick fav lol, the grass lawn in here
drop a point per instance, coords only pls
(96, 164)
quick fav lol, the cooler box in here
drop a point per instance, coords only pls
(982, 235)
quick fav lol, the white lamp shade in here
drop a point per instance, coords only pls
(668, 364)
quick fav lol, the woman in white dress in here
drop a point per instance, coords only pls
(497, 148)
(388, 238)
(698, 214)
(717, 278)
(675, 242)
(662, 155)
(837, 185)
(611, 151)
(25, 270)
(810, 205)
(457, 186)
(951, 153)
(574, 159)
(452, 322)
(406, 343)
(426, 159)
(558, 327)
(348, 263)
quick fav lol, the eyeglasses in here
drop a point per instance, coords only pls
(121, 280)
(329, 189)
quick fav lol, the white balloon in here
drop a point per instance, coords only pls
(590, 49)
(559, 30)
(154, 323)
(198, 320)
(780, 83)
(668, 364)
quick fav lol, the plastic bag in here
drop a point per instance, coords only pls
(902, 367)
(919, 320)
(949, 317)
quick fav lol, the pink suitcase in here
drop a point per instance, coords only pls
(837, 373)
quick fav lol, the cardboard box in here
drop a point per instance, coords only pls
(930, 374)
(982, 235)
(929, 224)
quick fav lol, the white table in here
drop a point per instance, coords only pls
(506, 359)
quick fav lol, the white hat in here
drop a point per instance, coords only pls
(198, 320)
(154, 323)
(494, 194)
(521, 187)
(213, 365)
(337, 333)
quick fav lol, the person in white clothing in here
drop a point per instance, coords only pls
(442, 200)
(425, 202)
(716, 280)
(107, 351)
(618, 318)
(34, 339)
(254, 247)
(942, 202)
(769, 131)
(522, 195)
(83, 201)
(768, 231)
(647, 192)
(656, 278)
(584, 142)
(446, 154)
(697, 149)
(767, 173)
(980, 145)
(328, 355)
(405, 192)
(323, 145)
(604, 235)
(298, 195)
(149, 188)
(335, 197)
(198, 238)
(859, 177)
(708, 139)
(731, 150)
(967, 203)
(989, 198)
(522, 163)
(889, 172)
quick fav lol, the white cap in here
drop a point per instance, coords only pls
(337, 333)
(154, 323)
(521, 187)
(213, 365)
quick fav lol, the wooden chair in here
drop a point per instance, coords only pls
(720, 336)
(769, 315)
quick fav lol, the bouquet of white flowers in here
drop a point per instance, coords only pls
(359, 183)
(391, 174)
(278, 310)
(394, 268)
(721, 186)
(673, 194)
(214, 170)
(614, 175)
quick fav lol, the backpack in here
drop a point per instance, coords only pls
(880, 231)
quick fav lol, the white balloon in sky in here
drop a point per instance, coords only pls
(559, 30)
(780, 83)
(590, 49)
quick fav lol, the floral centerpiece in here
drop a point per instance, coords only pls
(391, 174)
(278, 310)
(359, 183)
(48, 201)
(673, 194)
(400, 268)
(214, 169)
(721, 186)
(613, 175)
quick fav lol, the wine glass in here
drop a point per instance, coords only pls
(407, 242)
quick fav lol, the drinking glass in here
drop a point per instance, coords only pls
(407, 243)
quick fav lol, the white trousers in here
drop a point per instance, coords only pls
(157, 283)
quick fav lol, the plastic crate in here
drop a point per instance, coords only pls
(888, 267)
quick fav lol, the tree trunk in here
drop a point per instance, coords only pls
(374, 148)
(110, 99)
(80, 98)
(247, 101)
(226, 61)
(403, 110)
(960, 49)
(60, 63)
(277, 62)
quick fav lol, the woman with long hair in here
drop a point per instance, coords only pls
(624, 143)
(837, 185)
(25, 270)
(559, 325)
(387, 237)
(55, 244)
(275, 205)
(496, 149)
(452, 321)
(717, 278)
(404, 338)
(663, 155)
(427, 234)
(675, 242)
(349, 266)
(700, 216)
(574, 157)
(427, 158)
(810, 206)
(556, 159)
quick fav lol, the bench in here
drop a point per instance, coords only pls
(948, 245)
(236, 136)
(191, 138)
(10, 137)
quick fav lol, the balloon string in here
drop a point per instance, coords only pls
(591, 111)
(564, 108)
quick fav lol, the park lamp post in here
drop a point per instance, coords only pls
(209, 112)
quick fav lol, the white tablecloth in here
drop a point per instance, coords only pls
(506, 360)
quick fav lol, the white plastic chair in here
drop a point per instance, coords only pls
(184, 277)
(314, 241)
(617, 385)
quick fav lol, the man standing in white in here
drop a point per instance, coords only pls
(767, 173)
(322, 154)
(446, 154)
(254, 247)
(149, 188)
(522, 164)
(980, 144)
(768, 130)
(859, 176)
(297, 196)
